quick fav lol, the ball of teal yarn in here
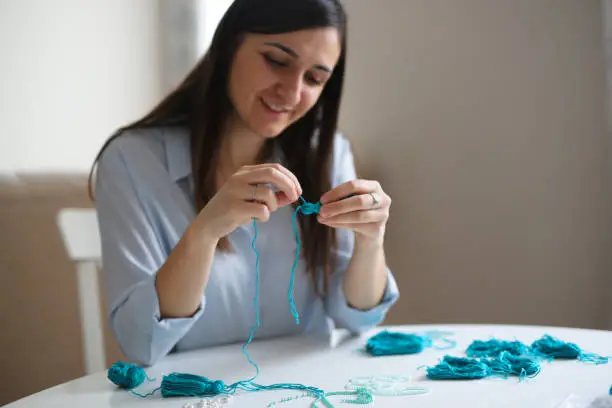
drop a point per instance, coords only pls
(551, 348)
(393, 343)
(190, 385)
(458, 368)
(494, 347)
(126, 375)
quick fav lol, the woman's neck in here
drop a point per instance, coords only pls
(240, 146)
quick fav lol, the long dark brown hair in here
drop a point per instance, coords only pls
(201, 103)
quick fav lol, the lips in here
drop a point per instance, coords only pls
(275, 108)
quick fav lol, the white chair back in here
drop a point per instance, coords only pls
(80, 232)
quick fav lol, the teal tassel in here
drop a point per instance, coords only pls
(458, 368)
(127, 376)
(494, 347)
(190, 385)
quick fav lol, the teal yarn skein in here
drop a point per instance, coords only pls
(507, 364)
(388, 343)
(495, 347)
(551, 348)
(392, 343)
(459, 368)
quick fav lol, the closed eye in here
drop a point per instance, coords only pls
(274, 62)
(311, 79)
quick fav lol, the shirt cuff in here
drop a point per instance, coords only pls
(357, 320)
(141, 332)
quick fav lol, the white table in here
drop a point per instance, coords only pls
(329, 365)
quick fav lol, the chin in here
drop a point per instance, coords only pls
(269, 131)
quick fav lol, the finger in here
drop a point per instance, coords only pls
(352, 187)
(273, 176)
(282, 199)
(354, 203)
(254, 210)
(292, 176)
(356, 217)
(283, 170)
(259, 193)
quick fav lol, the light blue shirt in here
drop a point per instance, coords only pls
(144, 203)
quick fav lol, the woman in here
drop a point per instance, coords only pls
(249, 134)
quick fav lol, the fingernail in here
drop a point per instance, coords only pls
(323, 199)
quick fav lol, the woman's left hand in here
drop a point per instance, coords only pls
(358, 205)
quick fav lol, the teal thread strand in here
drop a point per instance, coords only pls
(293, 309)
(256, 304)
(306, 208)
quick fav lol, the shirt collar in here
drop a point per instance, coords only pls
(178, 152)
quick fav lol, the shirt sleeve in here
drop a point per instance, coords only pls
(133, 249)
(345, 316)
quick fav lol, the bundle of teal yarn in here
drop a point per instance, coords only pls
(126, 376)
(508, 358)
(388, 343)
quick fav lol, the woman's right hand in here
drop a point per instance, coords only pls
(244, 197)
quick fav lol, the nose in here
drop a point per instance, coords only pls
(290, 88)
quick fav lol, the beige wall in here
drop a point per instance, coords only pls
(485, 122)
(40, 340)
(483, 119)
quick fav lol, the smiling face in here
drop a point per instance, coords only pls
(276, 79)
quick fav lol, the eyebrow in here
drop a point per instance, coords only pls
(294, 54)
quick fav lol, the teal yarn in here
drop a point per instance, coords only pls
(551, 348)
(130, 376)
(459, 368)
(190, 385)
(387, 343)
(502, 358)
(494, 347)
(127, 376)
(306, 208)
(504, 365)
(507, 364)
(362, 397)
